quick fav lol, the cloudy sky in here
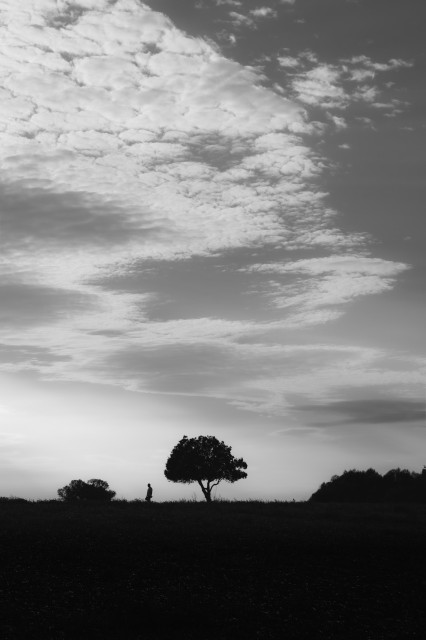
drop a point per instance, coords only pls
(212, 222)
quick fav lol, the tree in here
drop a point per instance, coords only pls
(397, 485)
(94, 489)
(203, 459)
(351, 486)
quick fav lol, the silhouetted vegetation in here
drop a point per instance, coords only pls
(397, 485)
(204, 459)
(87, 566)
(92, 490)
(132, 571)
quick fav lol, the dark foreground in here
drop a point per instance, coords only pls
(225, 570)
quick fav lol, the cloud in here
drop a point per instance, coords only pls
(321, 86)
(107, 138)
(30, 355)
(87, 116)
(42, 218)
(125, 143)
(240, 20)
(347, 264)
(289, 62)
(26, 304)
(305, 376)
(334, 280)
(369, 64)
(263, 12)
(249, 19)
(371, 411)
(339, 122)
(239, 362)
(350, 81)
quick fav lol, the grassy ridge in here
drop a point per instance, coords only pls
(224, 570)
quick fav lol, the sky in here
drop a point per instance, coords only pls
(212, 223)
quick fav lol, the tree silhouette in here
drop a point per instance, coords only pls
(94, 489)
(203, 459)
(397, 485)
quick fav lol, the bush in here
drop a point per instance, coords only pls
(92, 490)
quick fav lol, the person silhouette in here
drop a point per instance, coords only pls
(149, 494)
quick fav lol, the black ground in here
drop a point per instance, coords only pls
(225, 570)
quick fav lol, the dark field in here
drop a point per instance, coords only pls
(224, 570)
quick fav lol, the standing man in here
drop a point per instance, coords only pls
(149, 494)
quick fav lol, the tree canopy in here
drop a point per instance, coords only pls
(94, 489)
(204, 460)
(397, 485)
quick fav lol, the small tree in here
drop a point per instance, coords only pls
(78, 490)
(203, 459)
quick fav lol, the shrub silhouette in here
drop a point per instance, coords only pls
(204, 459)
(78, 490)
(397, 485)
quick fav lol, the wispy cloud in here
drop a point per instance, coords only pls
(230, 3)
(241, 20)
(333, 280)
(367, 411)
(322, 285)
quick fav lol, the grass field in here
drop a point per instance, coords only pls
(130, 570)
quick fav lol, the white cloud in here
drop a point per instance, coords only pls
(263, 12)
(339, 122)
(151, 145)
(343, 264)
(367, 63)
(321, 86)
(336, 86)
(330, 281)
(289, 62)
(97, 122)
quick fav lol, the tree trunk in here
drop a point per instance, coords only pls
(206, 491)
